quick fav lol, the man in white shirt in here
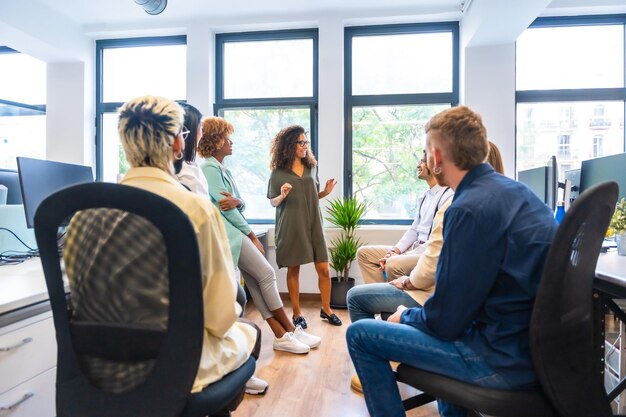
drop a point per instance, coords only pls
(399, 260)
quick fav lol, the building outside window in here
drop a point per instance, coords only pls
(564, 150)
(265, 81)
(598, 150)
(22, 107)
(396, 78)
(570, 86)
(129, 68)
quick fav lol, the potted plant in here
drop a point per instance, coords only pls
(345, 214)
(618, 226)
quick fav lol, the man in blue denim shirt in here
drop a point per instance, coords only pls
(475, 326)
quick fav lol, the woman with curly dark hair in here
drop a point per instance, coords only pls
(248, 253)
(294, 190)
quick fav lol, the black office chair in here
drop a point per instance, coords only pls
(562, 338)
(173, 353)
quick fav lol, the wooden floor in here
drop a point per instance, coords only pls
(312, 385)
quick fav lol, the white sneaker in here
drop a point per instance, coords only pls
(256, 386)
(308, 339)
(289, 343)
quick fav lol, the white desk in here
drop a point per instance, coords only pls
(22, 285)
(27, 341)
(611, 274)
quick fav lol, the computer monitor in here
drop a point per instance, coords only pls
(40, 178)
(552, 183)
(607, 168)
(573, 175)
(10, 179)
(536, 180)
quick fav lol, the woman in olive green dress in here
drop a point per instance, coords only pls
(294, 191)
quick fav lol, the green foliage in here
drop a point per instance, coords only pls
(387, 144)
(342, 254)
(345, 214)
(254, 131)
(618, 221)
(124, 166)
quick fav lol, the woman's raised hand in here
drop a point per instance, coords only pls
(330, 184)
(284, 189)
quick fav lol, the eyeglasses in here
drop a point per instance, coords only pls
(303, 143)
(184, 134)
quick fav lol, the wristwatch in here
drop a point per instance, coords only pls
(404, 281)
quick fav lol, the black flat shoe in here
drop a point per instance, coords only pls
(299, 321)
(332, 319)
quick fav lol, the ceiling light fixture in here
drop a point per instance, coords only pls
(152, 7)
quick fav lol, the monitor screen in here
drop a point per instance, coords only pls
(10, 179)
(607, 168)
(552, 183)
(573, 175)
(536, 180)
(40, 178)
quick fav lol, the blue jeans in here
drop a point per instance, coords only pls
(373, 343)
(366, 300)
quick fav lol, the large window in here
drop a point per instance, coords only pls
(396, 78)
(570, 90)
(265, 81)
(22, 107)
(129, 68)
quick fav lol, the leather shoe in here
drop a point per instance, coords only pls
(299, 321)
(332, 319)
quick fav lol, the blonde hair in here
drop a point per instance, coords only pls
(462, 134)
(215, 130)
(147, 126)
(495, 158)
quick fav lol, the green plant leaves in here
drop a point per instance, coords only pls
(618, 221)
(345, 214)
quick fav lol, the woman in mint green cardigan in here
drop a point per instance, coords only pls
(248, 253)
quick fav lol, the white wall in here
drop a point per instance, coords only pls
(70, 115)
(489, 81)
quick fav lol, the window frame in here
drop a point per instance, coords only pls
(575, 94)
(311, 102)
(351, 101)
(25, 109)
(111, 107)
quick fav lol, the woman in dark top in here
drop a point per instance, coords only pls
(294, 191)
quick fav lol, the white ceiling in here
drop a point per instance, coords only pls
(93, 12)
(113, 12)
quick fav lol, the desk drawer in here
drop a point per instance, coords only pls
(33, 398)
(31, 350)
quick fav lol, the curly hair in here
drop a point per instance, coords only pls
(215, 130)
(147, 127)
(462, 134)
(283, 151)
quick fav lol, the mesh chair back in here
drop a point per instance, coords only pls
(561, 331)
(174, 353)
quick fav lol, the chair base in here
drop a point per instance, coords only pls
(488, 401)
